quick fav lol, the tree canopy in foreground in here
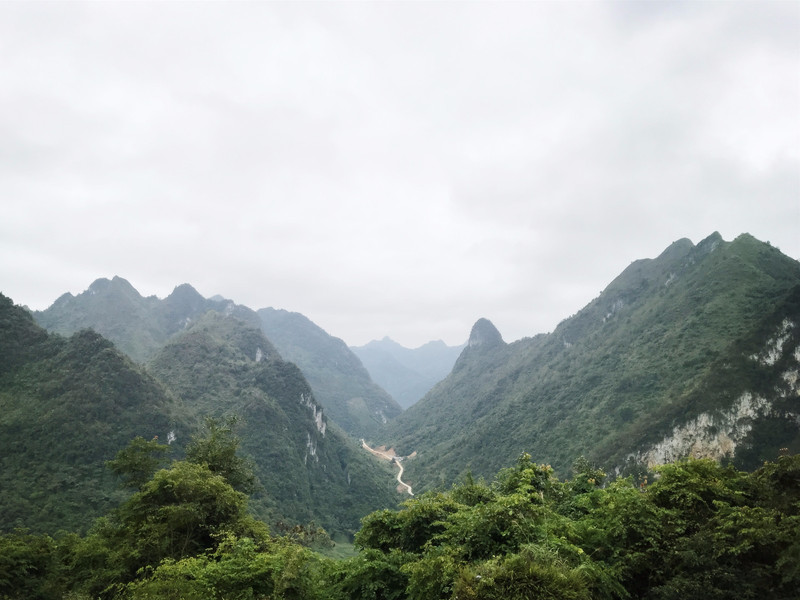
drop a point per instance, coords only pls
(698, 529)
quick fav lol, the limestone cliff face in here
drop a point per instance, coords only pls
(484, 341)
(484, 334)
(719, 434)
(711, 435)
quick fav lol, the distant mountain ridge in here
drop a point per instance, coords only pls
(141, 326)
(693, 352)
(341, 382)
(407, 374)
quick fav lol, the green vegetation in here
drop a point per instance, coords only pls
(699, 530)
(66, 406)
(669, 339)
(141, 327)
(241, 509)
(307, 468)
(138, 326)
(340, 382)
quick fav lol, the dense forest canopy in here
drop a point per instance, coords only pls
(698, 529)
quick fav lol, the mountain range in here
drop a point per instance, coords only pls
(407, 374)
(308, 468)
(340, 382)
(140, 326)
(68, 404)
(694, 352)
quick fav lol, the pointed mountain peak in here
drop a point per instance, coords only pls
(484, 334)
(62, 299)
(710, 244)
(714, 237)
(388, 342)
(677, 250)
(121, 282)
(115, 286)
(185, 292)
(98, 285)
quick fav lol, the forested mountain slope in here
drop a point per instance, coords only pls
(141, 326)
(66, 406)
(308, 468)
(694, 352)
(407, 373)
(339, 380)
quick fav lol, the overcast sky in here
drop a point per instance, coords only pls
(397, 169)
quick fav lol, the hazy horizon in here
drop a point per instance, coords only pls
(390, 169)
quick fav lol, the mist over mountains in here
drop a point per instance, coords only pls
(407, 374)
(140, 326)
(340, 381)
(692, 353)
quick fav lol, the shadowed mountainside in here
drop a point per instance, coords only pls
(66, 406)
(309, 469)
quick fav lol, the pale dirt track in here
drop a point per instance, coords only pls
(391, 456)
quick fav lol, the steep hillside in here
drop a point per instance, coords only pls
(694, 352)
(67, 406)
(340, 382)
(141, 326)
(308, 468)
(407, 374)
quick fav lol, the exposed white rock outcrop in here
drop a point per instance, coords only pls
(311, 449)
(259, 354)
(774, 348)
(617, 306)
(321, 424)
(709, 435)
(316, 413)
(718, 434)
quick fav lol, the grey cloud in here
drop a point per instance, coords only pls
(393, 168)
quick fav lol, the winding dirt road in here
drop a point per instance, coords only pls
(391, 456)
